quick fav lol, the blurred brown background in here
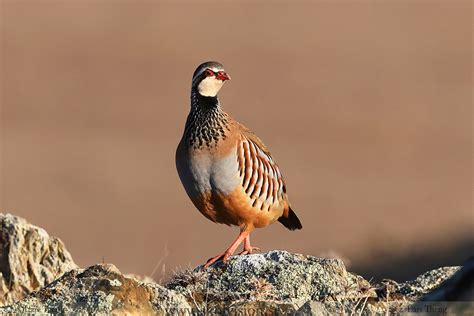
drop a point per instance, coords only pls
(366, 105)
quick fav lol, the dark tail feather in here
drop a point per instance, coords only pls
(291, 222)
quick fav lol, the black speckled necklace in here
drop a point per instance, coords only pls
(206, 123)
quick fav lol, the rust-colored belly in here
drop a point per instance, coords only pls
(236, 209)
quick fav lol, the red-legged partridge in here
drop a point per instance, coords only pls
(225, 169)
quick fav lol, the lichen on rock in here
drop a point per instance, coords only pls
(276, 277)
(29, 258)
(100, 289)
(426, 282)
(38, 276)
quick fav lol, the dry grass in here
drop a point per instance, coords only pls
(161, 265)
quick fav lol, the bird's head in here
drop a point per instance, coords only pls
(208, 78)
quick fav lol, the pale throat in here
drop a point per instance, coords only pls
(210, 86)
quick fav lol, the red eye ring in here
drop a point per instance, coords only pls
(209, 73)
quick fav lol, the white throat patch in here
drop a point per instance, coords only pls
(210, 86)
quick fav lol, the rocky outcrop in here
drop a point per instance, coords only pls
(100, 289)
(455, 295)
(274, 282)
(29, 258)
(460, 287)
(277, 281)
(282, 282)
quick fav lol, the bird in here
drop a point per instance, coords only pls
(226, 170)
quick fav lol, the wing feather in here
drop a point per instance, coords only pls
(261, 178)
(248, 165)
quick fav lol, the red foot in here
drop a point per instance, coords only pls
(225, 256)
(244, 235)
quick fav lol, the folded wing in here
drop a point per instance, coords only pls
(261, 178)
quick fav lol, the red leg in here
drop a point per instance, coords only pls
(230, 251)
(248, 249)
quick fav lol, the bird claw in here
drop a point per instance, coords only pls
(249, 251)
(224, 257)
(244, 235)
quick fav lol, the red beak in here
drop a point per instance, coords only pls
(221, 75)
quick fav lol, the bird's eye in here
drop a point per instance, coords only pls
(209, 73)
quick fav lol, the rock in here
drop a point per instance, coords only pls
(313, 308)
(426, 282)
(277, 282)
(29, 258)
(140, 278)
(100, 289)
(454, 295)
(460, 287)
(281, 282)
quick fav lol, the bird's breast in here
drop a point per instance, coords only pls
(205, 171)
(224, 176)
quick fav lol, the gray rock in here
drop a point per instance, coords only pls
(460, 287)
(426, 282)
(454, 296)
(313, 308)
(100, 290)
(29, 258)
(277, 282)
(281, 282)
